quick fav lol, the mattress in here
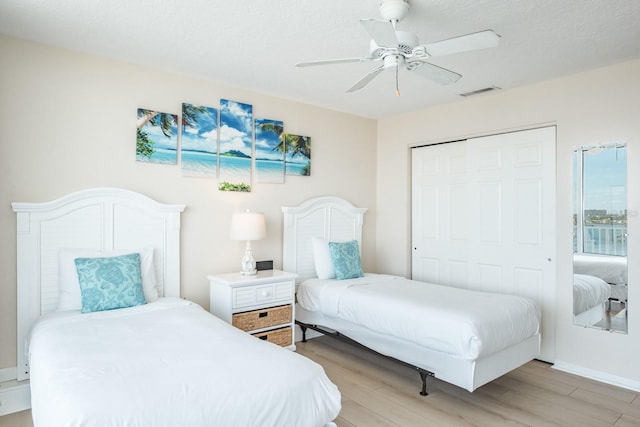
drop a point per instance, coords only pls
(169, 363)
(465, 324)
(589, 292)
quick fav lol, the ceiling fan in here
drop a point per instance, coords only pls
(400, 49)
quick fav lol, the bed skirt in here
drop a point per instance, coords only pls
(465, 373)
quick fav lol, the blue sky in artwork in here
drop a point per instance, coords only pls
(202, 135)
(267, 141)
(235, 126)
(160, 140)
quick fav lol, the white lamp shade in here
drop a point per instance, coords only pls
(248, 226)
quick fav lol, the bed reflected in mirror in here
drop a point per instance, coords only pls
(600, 237)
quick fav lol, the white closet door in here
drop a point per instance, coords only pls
(483, 217)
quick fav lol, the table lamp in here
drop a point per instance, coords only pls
(248, 226)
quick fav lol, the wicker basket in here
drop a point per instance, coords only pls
(258, 319)
(281, 336)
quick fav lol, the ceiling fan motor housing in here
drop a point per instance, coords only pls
(406, 42)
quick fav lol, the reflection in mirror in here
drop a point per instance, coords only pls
(600, 237)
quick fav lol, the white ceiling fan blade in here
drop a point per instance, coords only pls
(366, 79)
(333, 61)
(433, 72)
(382, 32)
(480, 40)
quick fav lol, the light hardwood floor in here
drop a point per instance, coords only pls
(19, 419)
(379, 392)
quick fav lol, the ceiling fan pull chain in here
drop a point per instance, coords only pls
(397, 88)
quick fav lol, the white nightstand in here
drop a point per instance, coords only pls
(262, 305)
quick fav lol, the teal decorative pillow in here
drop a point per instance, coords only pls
(346, 259)
(109, 283)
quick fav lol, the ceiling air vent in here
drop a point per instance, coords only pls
(479, 91)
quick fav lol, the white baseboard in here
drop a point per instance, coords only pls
(8, 374)
(592, 374)
(15, 396)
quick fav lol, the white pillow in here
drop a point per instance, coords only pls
(68, 277)
(322, 259)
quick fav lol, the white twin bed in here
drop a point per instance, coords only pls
(163, 362)
(464, 337)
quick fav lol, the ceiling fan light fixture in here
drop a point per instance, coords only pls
(393, 61)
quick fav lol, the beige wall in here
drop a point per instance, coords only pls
(588, 108)
(67, 122)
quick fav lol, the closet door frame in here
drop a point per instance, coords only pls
(483, 217)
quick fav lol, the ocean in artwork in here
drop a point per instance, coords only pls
(270, 171)
(294, 168)
(199, 163)
(165, 156)
(235, 168)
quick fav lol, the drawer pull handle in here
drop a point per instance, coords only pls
(263, 338)
(263, 314)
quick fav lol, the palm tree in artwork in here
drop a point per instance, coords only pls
(298, 145)
(289, 143)
(144, 145)
(190, 114)
(278, 129)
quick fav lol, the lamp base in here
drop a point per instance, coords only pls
(248, 262)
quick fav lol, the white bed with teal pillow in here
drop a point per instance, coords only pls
(464, 337)
(106, 339)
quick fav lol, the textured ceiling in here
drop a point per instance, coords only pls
(254, 44)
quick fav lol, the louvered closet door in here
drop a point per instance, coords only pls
(483, 217)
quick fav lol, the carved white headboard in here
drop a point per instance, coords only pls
(105, 219)
(330, 218)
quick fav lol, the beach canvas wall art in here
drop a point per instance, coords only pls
(269, 151)
(157, 137)
(199, 141)
(236, 131)
(297, 155)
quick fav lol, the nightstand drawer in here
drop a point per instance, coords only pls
(281, 336)
(258, 319)
(247, 296)
(262, 304)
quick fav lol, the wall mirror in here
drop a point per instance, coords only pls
(600, 237)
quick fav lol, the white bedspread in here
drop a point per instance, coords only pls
(169, 363)
(466, 324)
(588, 292)
(611, 269)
